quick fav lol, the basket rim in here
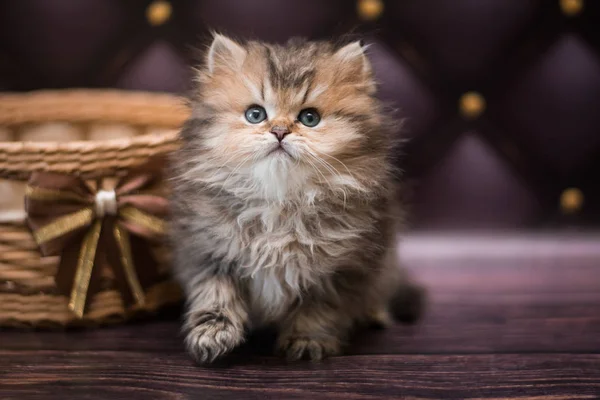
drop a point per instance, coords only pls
(93, 105)
(88, 158)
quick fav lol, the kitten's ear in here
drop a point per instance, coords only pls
(352, 57)
(224, 53)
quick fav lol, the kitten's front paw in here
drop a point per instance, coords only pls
(211, 335)
(298, 347)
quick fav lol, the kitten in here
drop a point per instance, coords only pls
(282, 199)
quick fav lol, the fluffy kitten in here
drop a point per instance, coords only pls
(282, 199)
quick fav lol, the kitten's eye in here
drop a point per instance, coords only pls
(256, 114)
(309, 117)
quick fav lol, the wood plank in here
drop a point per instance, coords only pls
(132, 375)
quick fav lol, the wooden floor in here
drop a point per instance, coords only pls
(512, 317)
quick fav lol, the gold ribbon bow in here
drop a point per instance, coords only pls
(89, 228)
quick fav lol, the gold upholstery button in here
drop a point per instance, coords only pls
(158, 12)
(571, 7)
(571, 200)
(370, 10)
(471, 105)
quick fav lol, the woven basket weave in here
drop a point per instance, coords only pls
(86, 133)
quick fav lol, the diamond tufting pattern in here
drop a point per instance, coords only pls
(504, 164)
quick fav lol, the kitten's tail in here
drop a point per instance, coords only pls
(408, 302)
(404, 299)
(408, 298)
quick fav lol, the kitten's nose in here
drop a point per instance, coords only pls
(280, 131)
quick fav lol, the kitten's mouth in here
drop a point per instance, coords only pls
(279, 150)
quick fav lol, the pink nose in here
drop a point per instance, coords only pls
(280, 132)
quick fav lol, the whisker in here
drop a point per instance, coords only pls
(238, 166)
(322, 175)
(235, 154)
(336, 159)
(332, 170)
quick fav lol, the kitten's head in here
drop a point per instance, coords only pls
(285, 119)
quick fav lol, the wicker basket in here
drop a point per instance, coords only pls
(94, 136)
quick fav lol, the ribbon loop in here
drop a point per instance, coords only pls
(83, 272)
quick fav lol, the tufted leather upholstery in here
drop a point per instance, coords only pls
(535, 64)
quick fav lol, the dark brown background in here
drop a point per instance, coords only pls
(535, 62)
